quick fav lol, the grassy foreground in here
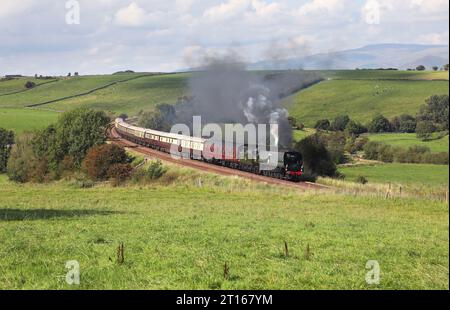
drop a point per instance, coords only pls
(179, 234)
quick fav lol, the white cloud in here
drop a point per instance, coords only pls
(320, 7)
(160, 34)
(131, 15)
(263, 9)
(225, 11)
(183, 6)
(435, 38)
(431, 6)
(10, 8)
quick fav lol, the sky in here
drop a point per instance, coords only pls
(54, 37)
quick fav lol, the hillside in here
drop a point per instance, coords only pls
(362, 94)
(401, 56)
(117, 93)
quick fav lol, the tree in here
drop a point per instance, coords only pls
(322, 124)
(435, 111)
(76, 74)
(168, 112)
(404, 123)
(420, 68)
(446, 67)
(379, 124)
(340, 123)
(154, 120)
(118, 173)
(22, 158)
(76, 132)
(29, 85)
(100, 159)
(435, 68)
(355, 129)
(6, 143)
(316, 158)
(425, 130)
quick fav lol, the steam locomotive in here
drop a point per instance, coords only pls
(284, 165)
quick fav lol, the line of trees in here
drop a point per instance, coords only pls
(75, 148)
(50, 153)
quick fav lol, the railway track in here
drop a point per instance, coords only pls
(115, 138)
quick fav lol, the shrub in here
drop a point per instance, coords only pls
(420, 68)
(355, 128)
(317, 159)
(29, 85)
(156, 170)
(371, 150)
(6, 142)
(340, 123)
(436, 158)
(361, 180)
(99, 160)
(385, 153)
(379, 124)
(119, 173)
(322, 124)
(424, 130)
(356, 145)
(153, 120)
(21, 159)
(81, 181)
(404, 123)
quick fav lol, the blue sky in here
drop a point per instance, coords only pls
(164, 35)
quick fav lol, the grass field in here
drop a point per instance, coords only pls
(136, 92)
(359, 93)
(20, 120)
(426, 174)
(302, 134)
(406, 140)
(174, 238)
(386, 75)
(133, 96)
(361, 99)
(18, 85)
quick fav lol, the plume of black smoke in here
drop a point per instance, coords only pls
(224, 92)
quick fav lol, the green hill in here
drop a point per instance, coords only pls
(361, 99)
(359, 93)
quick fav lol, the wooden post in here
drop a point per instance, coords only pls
(286, 249)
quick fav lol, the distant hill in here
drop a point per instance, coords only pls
(401, 56)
